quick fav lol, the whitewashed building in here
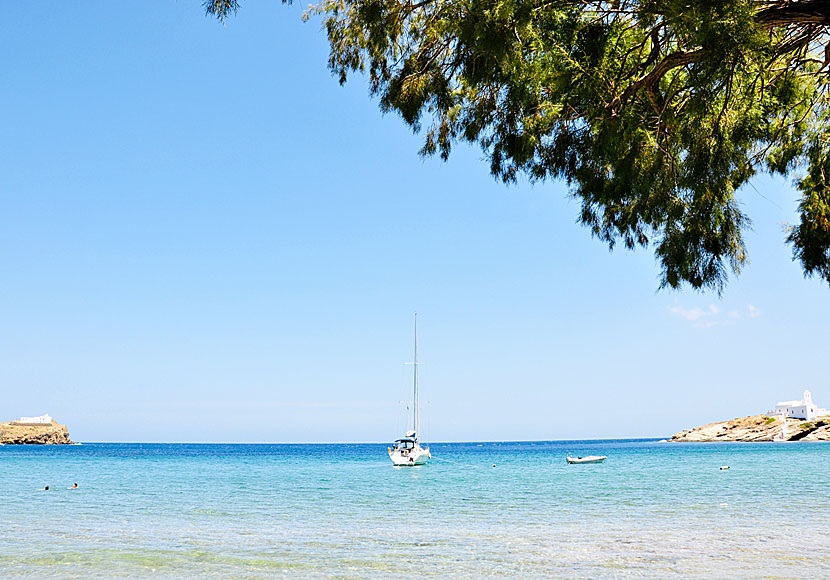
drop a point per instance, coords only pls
(42, 420)
(803, 409)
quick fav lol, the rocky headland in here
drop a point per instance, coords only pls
(759, 428)
(13, 433)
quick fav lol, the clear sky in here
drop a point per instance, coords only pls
(203, 237)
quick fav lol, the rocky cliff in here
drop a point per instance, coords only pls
(759, 428)
(13, 434)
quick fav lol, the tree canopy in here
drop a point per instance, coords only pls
(655, 112)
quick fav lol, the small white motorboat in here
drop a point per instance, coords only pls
(587, 459)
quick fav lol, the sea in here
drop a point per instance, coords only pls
(478, 510)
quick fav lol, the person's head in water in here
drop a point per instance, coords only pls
(74, 486)
(46, 488)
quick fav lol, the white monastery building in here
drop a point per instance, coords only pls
(42, 420)
(803, 409)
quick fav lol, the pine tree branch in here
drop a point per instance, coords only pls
(673, 60)
(780, 14)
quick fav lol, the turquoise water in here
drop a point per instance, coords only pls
(652, 510)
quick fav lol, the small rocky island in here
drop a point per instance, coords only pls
(759, 428)
(790, 421)
(38, 431)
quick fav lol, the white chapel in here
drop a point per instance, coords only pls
(803, 409)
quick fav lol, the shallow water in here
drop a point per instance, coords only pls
(652, 510)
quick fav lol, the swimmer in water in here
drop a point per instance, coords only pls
(44, 489)
(74, 486)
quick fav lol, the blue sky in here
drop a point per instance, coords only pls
(203, 237)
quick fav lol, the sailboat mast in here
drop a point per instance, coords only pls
(416, 419)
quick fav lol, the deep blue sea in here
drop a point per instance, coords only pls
(503, 510)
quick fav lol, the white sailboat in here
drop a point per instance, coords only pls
(407, 451)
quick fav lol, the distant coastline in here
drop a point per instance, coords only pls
(16, 433)
(758, 428)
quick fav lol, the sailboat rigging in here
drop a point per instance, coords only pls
(407, 450)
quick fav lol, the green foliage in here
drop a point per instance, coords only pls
(221, 9)
(811, 237)
(655, 112)
(769, 420)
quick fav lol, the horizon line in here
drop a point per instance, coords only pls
(367, 442)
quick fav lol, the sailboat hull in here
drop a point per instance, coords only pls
(411, 459)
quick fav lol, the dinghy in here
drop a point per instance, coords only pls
(587, 459)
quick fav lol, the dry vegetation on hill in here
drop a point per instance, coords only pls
(758, 428)
(12, 433)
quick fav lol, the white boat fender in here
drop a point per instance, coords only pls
(724, 467)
